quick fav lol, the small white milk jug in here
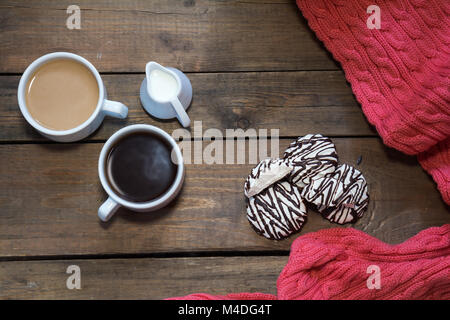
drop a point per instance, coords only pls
(166, 93)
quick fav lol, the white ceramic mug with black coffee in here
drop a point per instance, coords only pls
(63, 97)
(141, 168)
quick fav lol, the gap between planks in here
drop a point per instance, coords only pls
(157, 255)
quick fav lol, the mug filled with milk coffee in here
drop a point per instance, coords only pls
(166, 93)
(141, 168)
(63, 97)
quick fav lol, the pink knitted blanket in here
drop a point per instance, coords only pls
(344, 263)
(400, 73)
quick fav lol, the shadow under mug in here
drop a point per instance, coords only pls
(114, 202)
(104, 107)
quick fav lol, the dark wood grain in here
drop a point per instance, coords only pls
(296, 103)
(49, 195)
(155, 278)
(194, 35)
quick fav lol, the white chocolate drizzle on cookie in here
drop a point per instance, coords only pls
(310, 157)
(341, 196)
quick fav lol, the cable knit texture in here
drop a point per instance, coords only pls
(400, 73)
(334, 264)
(437, 162)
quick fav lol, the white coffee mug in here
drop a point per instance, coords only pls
(110, 206)
(104, 107)
(172, 97)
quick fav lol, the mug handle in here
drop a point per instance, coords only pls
(115, 109)
(107, 209)
(181, 113)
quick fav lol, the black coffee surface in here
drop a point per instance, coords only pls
(139, 167)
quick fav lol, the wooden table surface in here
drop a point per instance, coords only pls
(252, 64)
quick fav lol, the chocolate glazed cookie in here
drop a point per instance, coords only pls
(310, 157)
(340, 196)
(277, 211)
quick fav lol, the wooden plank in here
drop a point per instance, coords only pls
(296, 103)
(154, 278)
(194, 35)
(49, 195)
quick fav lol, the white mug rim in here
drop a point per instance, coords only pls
(152, 203)
(29, 72)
